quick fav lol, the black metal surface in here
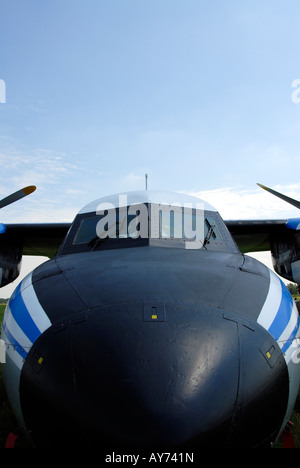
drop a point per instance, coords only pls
(10, 258)
(154, 348)
(217, 279)
(39, 239)
(256, 235)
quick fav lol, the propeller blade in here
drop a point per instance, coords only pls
(280, 195)
(17, 196)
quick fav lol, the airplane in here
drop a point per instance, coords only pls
(149, 327)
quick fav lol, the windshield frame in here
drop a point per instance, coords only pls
(217, 238)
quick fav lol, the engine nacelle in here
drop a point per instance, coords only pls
(286, 252)
(10, 257)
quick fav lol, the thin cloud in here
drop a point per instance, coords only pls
(39, 166)
(238, 203)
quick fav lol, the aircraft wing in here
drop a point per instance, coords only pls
(45, 239)
(38, 239)
(281, 237)
(256, 235)
(17, 240)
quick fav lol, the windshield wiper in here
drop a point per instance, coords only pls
(210, 232)
(95, 242)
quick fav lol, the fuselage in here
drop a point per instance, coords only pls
(141, 341)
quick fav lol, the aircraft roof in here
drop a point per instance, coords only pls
(146, 196)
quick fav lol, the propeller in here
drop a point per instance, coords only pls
(17, 196)
(280, 195)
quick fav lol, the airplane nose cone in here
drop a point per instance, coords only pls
(155, 375)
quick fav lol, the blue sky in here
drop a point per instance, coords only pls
(195, 93)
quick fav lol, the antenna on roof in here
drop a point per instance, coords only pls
(146, 181)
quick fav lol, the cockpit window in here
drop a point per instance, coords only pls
(105, 226)
(177, 226)
(86, 231)
(139, 225)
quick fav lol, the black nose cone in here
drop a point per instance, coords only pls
(154, 375)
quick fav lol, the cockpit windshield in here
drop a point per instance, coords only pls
(102, 227)
(148, 224)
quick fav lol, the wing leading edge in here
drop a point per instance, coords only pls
(38, 239)
(256, 235)
(45, 239)
(281, 237)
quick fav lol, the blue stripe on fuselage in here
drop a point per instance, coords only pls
(13, 342)
(22, 317)
(283, 315)
(291, 337)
